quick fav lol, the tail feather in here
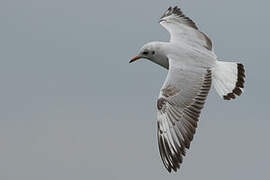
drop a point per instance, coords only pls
(229, 79)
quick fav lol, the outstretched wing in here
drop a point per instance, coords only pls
(179, 105)
(183, 29)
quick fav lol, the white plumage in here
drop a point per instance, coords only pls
(193, 67)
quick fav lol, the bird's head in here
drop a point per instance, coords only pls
(148, 51)
(153, 51)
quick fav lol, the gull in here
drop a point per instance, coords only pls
(192, 68)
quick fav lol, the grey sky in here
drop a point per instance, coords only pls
(73, 108)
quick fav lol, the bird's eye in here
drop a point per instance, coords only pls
(145, 53)
(153, 52)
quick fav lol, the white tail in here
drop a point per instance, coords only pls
(229, 79)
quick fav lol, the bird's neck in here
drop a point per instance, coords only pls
(161, 57)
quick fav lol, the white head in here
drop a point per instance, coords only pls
(153, 52)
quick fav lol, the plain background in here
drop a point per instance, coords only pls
(71, 107)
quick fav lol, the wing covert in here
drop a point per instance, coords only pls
(179, 105)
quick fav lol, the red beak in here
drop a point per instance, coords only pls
(134, 59)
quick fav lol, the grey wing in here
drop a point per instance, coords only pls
(183, 29)
(179, 105)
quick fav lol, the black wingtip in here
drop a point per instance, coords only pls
(178, 12)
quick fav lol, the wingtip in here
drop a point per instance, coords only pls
(178, 12)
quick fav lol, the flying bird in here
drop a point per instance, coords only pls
(192, 69)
